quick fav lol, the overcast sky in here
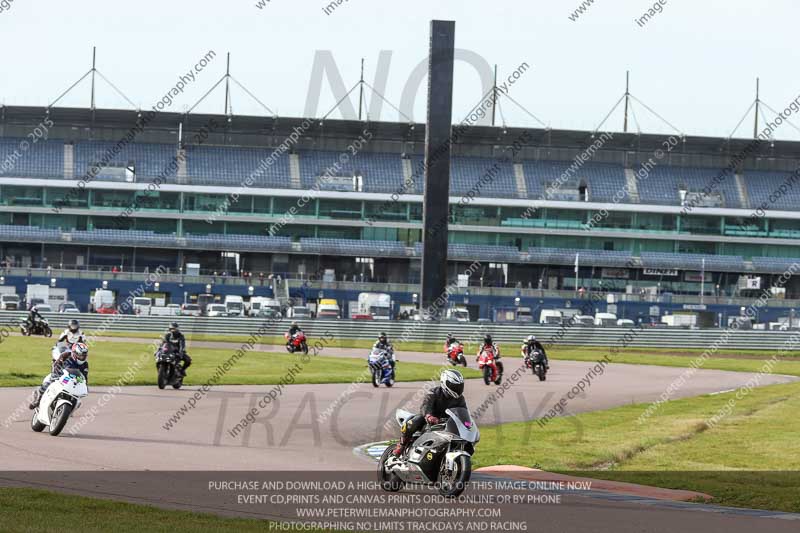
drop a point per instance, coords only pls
(695, 63)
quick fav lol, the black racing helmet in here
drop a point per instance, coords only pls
(487, 339)
(74, 326)
(174, 327)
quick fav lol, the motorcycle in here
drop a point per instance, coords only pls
(40, 327)
(535, 361)
(439, 456)
(59, 401)
(296, 342)
(167, 365)
(382, 371)
(455, 355)
(487, 364)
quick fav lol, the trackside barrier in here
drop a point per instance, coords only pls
(431, 332)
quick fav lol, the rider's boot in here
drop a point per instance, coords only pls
(401, 446)
(37, 396)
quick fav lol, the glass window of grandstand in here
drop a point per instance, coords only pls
(112, 199)
(746, 227)
(341, 209)
(13, 195)
(201, 227)
(654, 222)
(372, 233)
(610, 219)
(262, 205)
(474, 215)
(71, 197)
(63, 222)
(565, 218)
(156, 225)
(415, 212)
(207, 202)
(388, 211)
(520, 216)
(157, 200)
(246, 228)
(787, 229)
(701, 224)
(297, 207)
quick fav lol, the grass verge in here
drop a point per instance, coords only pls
(751, 458)
(27, 511)
(25, 360)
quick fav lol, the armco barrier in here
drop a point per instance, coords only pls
(510, 335)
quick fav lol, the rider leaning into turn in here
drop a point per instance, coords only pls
(449, 394)
(383, 344)
(177, 344)
(74, 358)
(450, 341)
(532, 344)
(489, 343)
(71, 335)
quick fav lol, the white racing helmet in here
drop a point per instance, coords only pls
(452, 383)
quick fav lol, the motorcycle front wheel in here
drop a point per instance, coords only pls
(389, 482)
(59, 420)
(463, 361)
(452, 484)
(305, 348)
(376, 378)
(48, 332)
(487, 375)
(163, 377)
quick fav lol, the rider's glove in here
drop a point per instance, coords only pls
(432, 420)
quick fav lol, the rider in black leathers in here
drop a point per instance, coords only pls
(532, 344)
(383, 344)
(449, 394)
(177, 344)
(33, 317)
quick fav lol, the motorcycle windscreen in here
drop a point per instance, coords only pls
(461, 424)
(377, 356)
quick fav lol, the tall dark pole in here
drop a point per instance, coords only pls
(627, 97)
(94, 69)
(494, 96)
(758, 104)
(437, 166)
(361, 90)
(227, 83)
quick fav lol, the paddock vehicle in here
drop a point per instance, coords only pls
(382, 371)
(535, 361)
(440, 456)
(455, 354)
(60, 399)
(487, 364)
(296, 342)
(39, 327)
(167, 366)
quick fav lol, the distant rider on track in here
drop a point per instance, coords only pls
(383, 344)
(532, 344)
(177, 345)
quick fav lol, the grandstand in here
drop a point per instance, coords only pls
(535, 214)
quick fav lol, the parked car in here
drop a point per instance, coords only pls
(68, 307)
(190, 310)
(44, 308)
(216, 310)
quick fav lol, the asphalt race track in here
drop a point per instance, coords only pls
(316, 427)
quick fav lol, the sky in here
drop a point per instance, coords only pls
(695, 62)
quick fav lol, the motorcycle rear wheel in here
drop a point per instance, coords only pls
(59, 420)
(48, 332)
(389, 482)
(462, 472)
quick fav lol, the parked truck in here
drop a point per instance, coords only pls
(37, 294)
(374, 304)
(9, 299)
(104, 302)
(234, 305)
(328, 308)
(459, 313)
(142, 305)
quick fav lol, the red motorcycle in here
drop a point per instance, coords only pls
(296, 342)
(487, 363)
(455, 354)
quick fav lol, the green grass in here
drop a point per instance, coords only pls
(109, 361)
(38, 511)
(751, 458)
(787, 366)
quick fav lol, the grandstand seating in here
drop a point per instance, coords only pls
(149, 160)
(239, 242)
(775, 265)
(763, 189)
(44, 159)
(663, 184)
(603, 181)
(566, 256)
(716, 263)
(218, 165)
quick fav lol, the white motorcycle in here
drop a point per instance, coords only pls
(58, 402)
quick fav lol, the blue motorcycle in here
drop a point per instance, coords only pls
(381, 366)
